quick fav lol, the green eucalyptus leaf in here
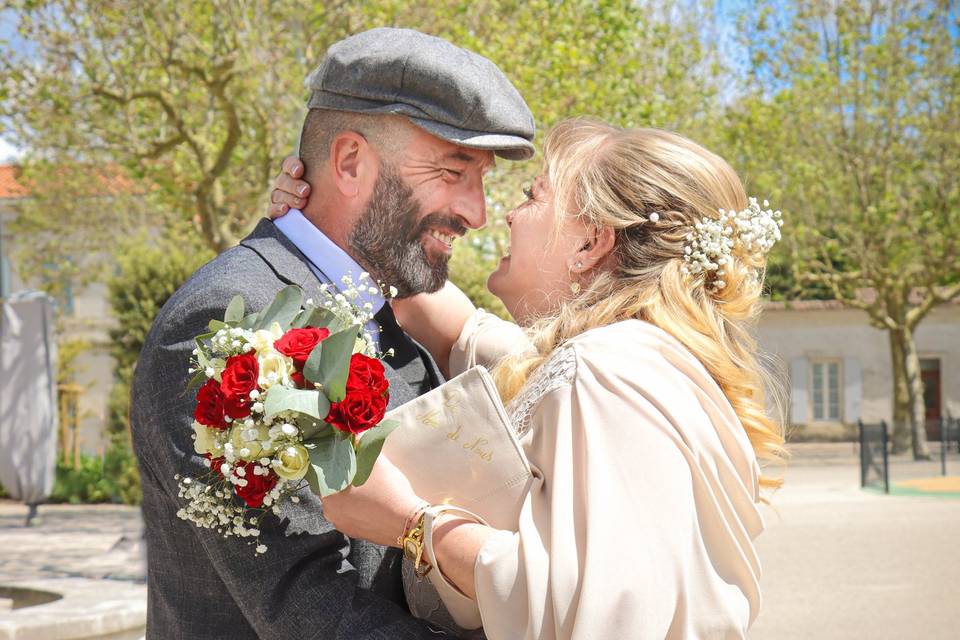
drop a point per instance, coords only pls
(216, 325)
(234, 311)
(314, 317)
(313, 429)
(197, 379)
(284, 308)
(333, 364)
(369, 447)
(334, 462)
(306, 401)
(313, 480)
(249, 321)
(311, 368)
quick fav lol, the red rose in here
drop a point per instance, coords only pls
(366, 373)
(239, 377)
(209, 409)
(215, 463)
(257, 486)
(237, 407)
(358, 411)
(298, 343)
(299, 380)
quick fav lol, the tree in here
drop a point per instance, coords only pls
(851, 122)
(195, 103)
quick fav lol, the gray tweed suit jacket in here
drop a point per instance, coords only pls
(314, 584)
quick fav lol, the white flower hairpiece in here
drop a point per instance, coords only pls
(711, 242)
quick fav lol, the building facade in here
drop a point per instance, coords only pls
(837, 367)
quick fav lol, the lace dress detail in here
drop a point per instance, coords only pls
(558, 371)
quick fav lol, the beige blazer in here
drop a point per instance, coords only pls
(641, 519)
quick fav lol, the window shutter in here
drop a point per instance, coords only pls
(799, 400)
(852, 389)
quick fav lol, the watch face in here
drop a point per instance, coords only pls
(410, 549)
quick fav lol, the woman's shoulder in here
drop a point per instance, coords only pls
(632, 342)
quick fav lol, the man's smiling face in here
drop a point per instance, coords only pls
(421, 203)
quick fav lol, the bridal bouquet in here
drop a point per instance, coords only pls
(289, 397)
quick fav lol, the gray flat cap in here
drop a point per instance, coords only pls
(448, 91)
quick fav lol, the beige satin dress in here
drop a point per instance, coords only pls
(641, 519)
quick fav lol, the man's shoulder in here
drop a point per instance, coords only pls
(238, 270)
(207, 292)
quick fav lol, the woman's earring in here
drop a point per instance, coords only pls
(575, 286)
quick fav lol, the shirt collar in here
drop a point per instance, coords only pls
(327, 260)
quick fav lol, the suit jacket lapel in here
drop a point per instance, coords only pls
(290, 265)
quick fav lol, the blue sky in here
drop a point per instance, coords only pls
(8, 38)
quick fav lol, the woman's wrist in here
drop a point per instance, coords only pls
(413, 513)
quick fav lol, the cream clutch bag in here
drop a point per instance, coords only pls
(456, 446)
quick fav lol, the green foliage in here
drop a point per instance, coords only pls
(183, 123)
(148, 271)
(849, 123)
(113, 478)
(67, 352)
(470, 267)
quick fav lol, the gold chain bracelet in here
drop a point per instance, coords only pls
(412, 544)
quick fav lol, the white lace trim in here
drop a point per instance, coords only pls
(558, 371)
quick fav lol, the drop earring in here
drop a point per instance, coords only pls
(575, 286)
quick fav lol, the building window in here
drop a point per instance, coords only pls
(826, 390)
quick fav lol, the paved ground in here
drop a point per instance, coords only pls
(843, 563)
(838, 562)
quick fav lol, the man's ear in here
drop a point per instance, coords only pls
(598, 245)
(353, 163)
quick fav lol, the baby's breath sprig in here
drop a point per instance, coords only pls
(712, 241)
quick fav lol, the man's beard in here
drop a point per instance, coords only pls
(387, 238)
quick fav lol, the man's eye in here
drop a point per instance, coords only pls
(528, 192)
(452, 173)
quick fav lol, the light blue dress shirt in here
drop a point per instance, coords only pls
(327, 260)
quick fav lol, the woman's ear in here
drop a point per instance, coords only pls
(599, 244)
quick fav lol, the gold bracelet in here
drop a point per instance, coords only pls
(412, 545)
(417, 510)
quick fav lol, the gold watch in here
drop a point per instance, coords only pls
(412, 544)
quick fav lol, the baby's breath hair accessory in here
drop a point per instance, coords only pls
(711, 242)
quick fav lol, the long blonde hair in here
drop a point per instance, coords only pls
(615, 178)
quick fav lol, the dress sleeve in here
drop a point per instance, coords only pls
(486, 339)
(609, 542)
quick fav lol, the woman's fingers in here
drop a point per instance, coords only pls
(276, 210)
(292, 166)
(290, 190)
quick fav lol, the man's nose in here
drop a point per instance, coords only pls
(471, 205)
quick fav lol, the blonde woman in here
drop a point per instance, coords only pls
(635, 267)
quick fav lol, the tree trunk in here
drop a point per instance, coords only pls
(901, 394)
(918, 411)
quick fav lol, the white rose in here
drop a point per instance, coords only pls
(275, 368)
(253, 442)
(206, 439)
(293, 462)
(263, 340)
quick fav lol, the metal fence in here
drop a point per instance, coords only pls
(949, 433)
(874, 460)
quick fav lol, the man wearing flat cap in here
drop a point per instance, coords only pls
(400, 131)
